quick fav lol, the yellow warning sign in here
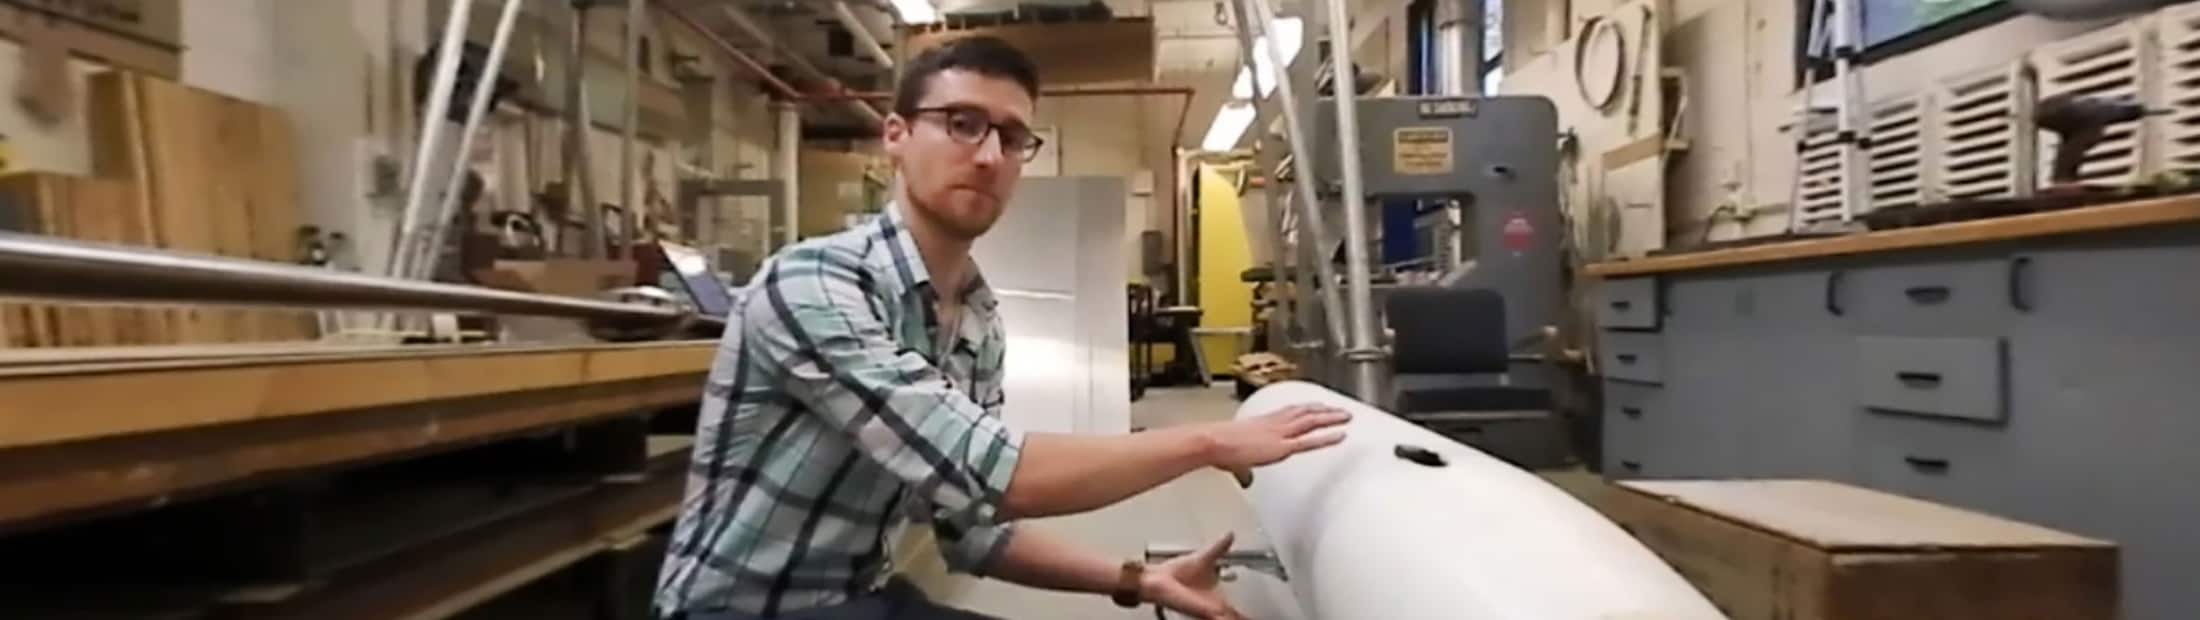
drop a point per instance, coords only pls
(1421, 150)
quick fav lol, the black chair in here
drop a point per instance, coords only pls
(1451, 369)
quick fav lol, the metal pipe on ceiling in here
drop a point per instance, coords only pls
(784, 90)
(1184, 109)
(46, 268)
(864, 38)
(742, 20)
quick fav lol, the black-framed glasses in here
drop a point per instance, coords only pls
(970, 126)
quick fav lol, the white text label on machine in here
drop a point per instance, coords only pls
(1421, 150)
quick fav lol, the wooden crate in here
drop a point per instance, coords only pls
(1815, 550)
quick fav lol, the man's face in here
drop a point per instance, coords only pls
(960, 184)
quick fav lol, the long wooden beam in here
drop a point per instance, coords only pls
(75, 402)
(151, 432)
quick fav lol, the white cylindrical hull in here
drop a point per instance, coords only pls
(1364, 533)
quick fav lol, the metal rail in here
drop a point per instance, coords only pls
(1313, 229)
(45, 268)
(1362, 353)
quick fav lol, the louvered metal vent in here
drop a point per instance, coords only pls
(1900, 153)
(1820, 188)
(2113, 62)
(2179, 133)
(1983, 126)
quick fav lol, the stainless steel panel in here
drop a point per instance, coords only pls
(1628, 303)
(1633, 357)
(1056, 261)
(1952, 377)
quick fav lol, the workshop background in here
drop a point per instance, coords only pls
(1884, 328)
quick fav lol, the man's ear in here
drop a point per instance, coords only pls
(892, 132)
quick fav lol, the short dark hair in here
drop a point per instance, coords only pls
(984, 55)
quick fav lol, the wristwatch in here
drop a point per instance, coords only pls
(1127, 585)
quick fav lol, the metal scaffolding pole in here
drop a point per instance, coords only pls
(580, 190)
(1265, 164)
(45, 268)
(1311, 229)
(1366, 358)
(449, 51)
(636, 208)
(427, 248)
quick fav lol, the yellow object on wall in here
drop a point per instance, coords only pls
(1223, 254)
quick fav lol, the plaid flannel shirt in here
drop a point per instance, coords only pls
(835, 413)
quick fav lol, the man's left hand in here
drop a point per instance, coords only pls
(1188, 584)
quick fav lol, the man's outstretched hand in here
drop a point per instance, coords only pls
(1188, 584)
(1244, 444)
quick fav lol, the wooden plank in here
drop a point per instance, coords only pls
(1833, 516)
(173, 131)
(78, 403)
(1760, 561)
(44, 485)
(2153, 212)
(119, 125)
(98, 211)
(19, 212)
(275, 210)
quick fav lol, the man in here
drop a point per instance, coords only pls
(859, 388)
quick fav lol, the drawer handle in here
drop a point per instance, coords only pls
(1919, 380)
(1625, 358)
(1632, 412)
(1927, 465)
(1928, 295)
(1622, 305)
(2019, 297)
(1833, 293)
(1631, 466)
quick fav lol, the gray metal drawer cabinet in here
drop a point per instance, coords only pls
(1631, 429)
(1951, 297)
(1960, 463)
(1628, 303)
(1946, 377)
(1633, 357)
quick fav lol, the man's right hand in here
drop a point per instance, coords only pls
(1240, 445)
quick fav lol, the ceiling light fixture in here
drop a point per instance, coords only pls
(916, 11)
(1237, 115)
(1230, 123)
(1289, 33)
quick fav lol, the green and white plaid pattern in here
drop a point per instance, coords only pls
(834, 414)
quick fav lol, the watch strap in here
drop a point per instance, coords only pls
(1127, 584)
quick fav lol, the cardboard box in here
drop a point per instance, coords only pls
(1816, 550)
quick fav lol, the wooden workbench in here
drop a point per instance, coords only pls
(2036, 367)
(90, 432)
(2111, 217)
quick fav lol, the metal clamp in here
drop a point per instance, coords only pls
(1259, 560)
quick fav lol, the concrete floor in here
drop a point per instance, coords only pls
(1187, 512)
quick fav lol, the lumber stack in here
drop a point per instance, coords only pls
(181, 169)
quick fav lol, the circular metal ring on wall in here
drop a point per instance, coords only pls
(1601, 49)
